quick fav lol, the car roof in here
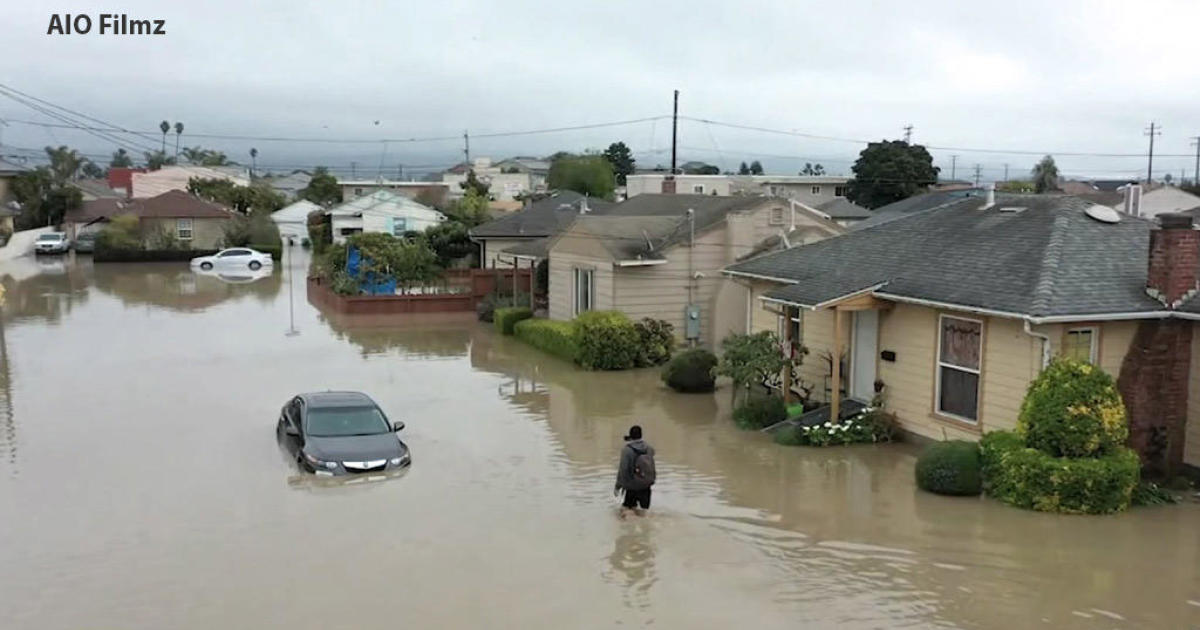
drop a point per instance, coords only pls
(337, 399)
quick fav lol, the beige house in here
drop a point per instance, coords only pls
(433, 192)
(196, 223)
(661, 256)
(953, 311)
(8, 172)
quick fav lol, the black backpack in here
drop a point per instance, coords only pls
(643, 469)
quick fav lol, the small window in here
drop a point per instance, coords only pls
(776, 216)
(839, 191)
(816, 190)
(234, 252)
(358, 192)
(183, 229)
(960, 349)
(1080, 344)
(698, 189)
(795, 332)
(584, 290)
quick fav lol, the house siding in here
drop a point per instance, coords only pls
(492, 248)
(207, 233)
(562, 294)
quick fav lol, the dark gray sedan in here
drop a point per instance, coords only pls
(341, 433)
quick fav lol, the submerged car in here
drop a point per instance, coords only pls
(342, 433)
(85, 243)
(234, 257)
(52, 243)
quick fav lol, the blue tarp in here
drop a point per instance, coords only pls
(383, 285)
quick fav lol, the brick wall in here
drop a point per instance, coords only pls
(1174, 260)
(1154, 383)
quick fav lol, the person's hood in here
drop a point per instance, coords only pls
(355, 447)
(640, 446)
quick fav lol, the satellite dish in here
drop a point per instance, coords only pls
(1103, 214)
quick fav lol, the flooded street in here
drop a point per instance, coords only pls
(141, 486)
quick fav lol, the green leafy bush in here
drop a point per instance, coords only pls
(606, 340)
(1073, 409)
(756, 412)
(950, 468)
(553, 337)
(506, 318)
(691, 371)
(1033, 479)
(1150, 493)
(485, 309)
(869, 426)
(656, 339)
(343, 283)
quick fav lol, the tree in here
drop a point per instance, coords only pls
(254, 199)
(743, 169)
(1167, 179)
(322, 189)
(178, 133)
(450, 241)
(157, 159)
(890, 170)
(700, 168)
(473, 183)
(253, 160)
(1045, 175)
(64, 163)
(92, 170)
(164, 126)
(756, 168)
(44, 198)
(754, 359)
(470, 210)
(585, 174)
(205, 157)
(812, 169)
(410, 261)
(120, 159)
(621, 159)
(123, 232)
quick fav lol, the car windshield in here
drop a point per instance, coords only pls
(50, 237)
(345, 421)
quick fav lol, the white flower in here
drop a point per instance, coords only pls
(828, 424)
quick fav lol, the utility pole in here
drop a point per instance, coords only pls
(467, 148)
(353, 170)
(1005, 171)
(1154, 131)
(953, 166)
(1196, 177)
(674, 130)
(908, 134)
(399, 171)
(977, 169)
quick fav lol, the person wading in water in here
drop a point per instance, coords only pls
(635, 473)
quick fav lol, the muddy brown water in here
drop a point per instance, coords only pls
(141, 486)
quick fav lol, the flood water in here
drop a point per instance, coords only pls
(141, 486)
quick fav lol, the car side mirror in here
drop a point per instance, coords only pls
(291, 430)
(397, 426)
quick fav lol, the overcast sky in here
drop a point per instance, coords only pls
(1084, 77)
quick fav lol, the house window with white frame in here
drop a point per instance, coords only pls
(584, 290)
(358, 192)
(839, 191)
(183, 229)
(698, 189)
(816, 190)
(776, 216)
(1080, 344)
(960, 353)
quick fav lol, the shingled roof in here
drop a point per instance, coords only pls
(168, 205)
(545, 217)
(1038, 256)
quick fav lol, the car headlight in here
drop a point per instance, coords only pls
(400, 461)
(319, 462)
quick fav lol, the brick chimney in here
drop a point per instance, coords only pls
(1174, 260)
(668, 185)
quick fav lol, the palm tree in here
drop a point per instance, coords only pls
(178, 132)
(165, 127)
(253, 160)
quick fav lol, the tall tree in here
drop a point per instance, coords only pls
(1045, 175)
(586, 174)
(812, 169)
(120, 159)
(178, 133)
(44, 197)
(92, 170)
(323, 189)
(890, 170)
(743, 169)
(164, 126)
(756, 168)
(621, 159)
(65, 163)
(474, 183)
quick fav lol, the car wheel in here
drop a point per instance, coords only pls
(255, 265)
(206, 266)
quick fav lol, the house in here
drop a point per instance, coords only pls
(290, 185)
(843, 211)
(1149, 204)
(96, 189)
(433, 192)
(812, 190)
(661, 256)
(953, 311)
(196, 223)
(508, 181)
(8, 172)
(292, 219)
(154, 183)
(381, 211)
(540, 219)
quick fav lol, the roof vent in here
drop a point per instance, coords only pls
(1103, 214)
(1012, 209)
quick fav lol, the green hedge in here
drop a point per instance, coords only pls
(276, 251)
(1032, 479)
(1073, 409)
(691, 371)
(107, 254)
(506, 318)
(757, 412)
(552, 337)
(606, 340)
(950, 468)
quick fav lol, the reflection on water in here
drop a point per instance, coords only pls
(143, 400)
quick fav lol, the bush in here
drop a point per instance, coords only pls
(276, 251)
(553, 337)
(506, 318)
(757, 412)
(691, 371)
(305, 242)
(950, 468)
(606, 340)
(1150, 493)
(343, 283)
(656, 340)
(870, 426)
(108, 254)
(1073, 409)
(1033, 479)
(486, 308)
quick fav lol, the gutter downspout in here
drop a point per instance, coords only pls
(1045, 343)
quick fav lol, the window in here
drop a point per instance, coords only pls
(1080, 344)
(234, 252)
(584, 290)
(358, 192)
(816, 190)
(839, 191)
(776, 216)
(698, 189)
(960, 346)
(183, 229)
(397, 225)
(795, 332)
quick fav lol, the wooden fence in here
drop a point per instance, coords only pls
(461, 290)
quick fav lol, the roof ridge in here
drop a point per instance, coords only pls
(1043, 291)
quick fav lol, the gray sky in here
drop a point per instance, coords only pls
(1027, 76)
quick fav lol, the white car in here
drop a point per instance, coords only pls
(234, 258)
(52, 243)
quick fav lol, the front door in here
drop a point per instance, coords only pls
(864, 346)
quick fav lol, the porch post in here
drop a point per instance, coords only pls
(836, 395)
(532, 285)
(787, 350)
(516, 266)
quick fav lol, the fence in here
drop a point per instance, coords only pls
(463, 290)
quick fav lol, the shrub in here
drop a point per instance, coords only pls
(756, 412)
(656, 340)
(276, 251)
(1033, 479)
(553, 337)
(1150, 493)
(506, 318)
(486, 308)
(691, 371)
(1073, 409)
(343, 283)
(305, 242)
(950, 468)
(606, 340)
(870, 426)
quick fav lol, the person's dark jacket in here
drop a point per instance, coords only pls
(629, 454)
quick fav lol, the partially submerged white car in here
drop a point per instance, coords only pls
(234, 258)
